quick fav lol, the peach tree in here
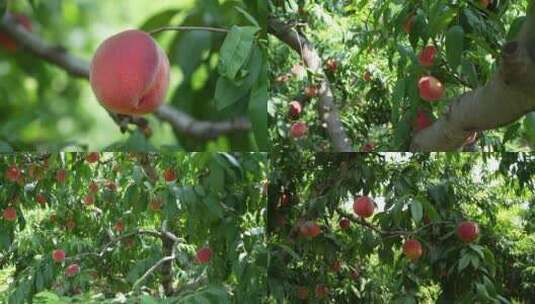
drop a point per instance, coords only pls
(394, 228)
(392, 76)
(98, 227)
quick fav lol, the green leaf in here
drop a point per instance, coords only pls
(416, 211)
(236, 50)
(4, 146)
(454, 46)
(463, 262)
(258, 112)
(159, 20)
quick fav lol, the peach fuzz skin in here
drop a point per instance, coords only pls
(129, 73)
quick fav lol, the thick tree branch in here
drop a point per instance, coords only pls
(507, 97)
(181, 122)
(327, 108)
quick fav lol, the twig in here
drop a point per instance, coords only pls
(188, 28)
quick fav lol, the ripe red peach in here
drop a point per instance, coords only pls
(344, 223)
(295, 109)
(129, 73)
(13, 173)
(412, 249)
(58, 255)
(422, 121)
(204, 255)
(467, 231)
(427, 56)
(363, 206)
(10, 214)
(298, 130)
(431, 89)
(72, 270)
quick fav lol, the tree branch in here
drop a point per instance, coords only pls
(327, 108)
(507, 97)
(180, 121)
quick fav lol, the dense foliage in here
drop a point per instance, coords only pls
(353, 259)
(118, 216)
(371, 53)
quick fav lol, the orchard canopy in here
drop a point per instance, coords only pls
(401, 228)
(188, 75)
(117, 227)
(402, 75)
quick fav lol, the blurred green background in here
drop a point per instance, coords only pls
(44, 108)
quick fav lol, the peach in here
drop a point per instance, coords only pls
(295, 109)
(129, 73)
(13, 173)
(61, 175)
(58, 255)
(467, 231)
(423, 120)
(412, 249)
(364, 206)
(169, 175)
(89, 200)
(72, 270)
(298, 130)
(40, 198)
(427, 56)
(10, 214)
(310, 229)
(431, 89)
(92, 157)
(204, 255)
(345, 224)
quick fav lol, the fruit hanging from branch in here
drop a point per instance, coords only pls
(10, 214)
(363, 206)
(427, 56)
(129, 73)
(430, 88)
(298, 130)
(412, 249)
(58, 255)
(204, 255)
(468, 231)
